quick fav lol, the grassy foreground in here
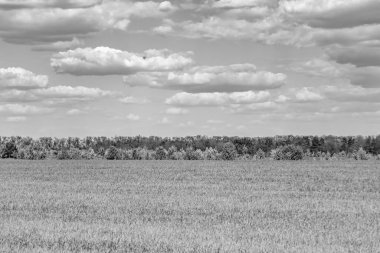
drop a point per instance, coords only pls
(183, 206)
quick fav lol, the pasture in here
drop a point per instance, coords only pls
(189, 206)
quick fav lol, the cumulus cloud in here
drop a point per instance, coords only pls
(133, 117)
(73, 112)
(64, 4)
(109, 61)
(37, 25)
(306, 95)
(241, 3)
(133, 100)
(333, 13)
(295, 22)
(19, 78)
(176, 111)
(16, 119)
(20, 85)
(236, 77)
(351, 94)
(59, 45)
(23, 109)
(217, 98)
(359, 56)
(317, 67)
(77, 92)
(367, 77)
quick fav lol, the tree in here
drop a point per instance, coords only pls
(112, 153)
(228, 151)
(9, 150)
(161, 153)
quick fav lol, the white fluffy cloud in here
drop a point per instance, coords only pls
(133, 117)
(109, 61)
(23, 109)
(64, 4)
(64, 20)
(217, 98)
(16, 119)
(78, 92)
(359, 56)
(236, 77)
(290, 22)
(133, 100)
(333, 13)
(176, 111)
(306, 95)
(28, 93)
(367, 77)
(59, 45)
(19, 78)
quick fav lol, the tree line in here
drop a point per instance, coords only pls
(287, 147)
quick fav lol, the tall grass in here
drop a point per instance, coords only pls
(182, 206)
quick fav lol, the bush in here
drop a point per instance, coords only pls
(211, 154)
(260, 154)
(9, 150)
(361, 154)
(191, 154)
(112, 153)
(161, 153)
(228, 151)
(288, 152)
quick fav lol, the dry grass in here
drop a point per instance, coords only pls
(174, 206)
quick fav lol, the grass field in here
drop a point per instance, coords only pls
(183, 206)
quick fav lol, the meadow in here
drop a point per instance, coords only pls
(189, 206)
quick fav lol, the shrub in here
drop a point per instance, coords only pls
(179, 155)
(211, 154)
(260, 154)
(9, 150)
(125, 154)
(228, 151)
(361, 154)
(74, 154)
(161, 153)
(288, 152)
(111, 153)
(191, 154)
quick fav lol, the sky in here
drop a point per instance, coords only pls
(190, 67)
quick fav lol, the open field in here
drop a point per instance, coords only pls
(183, 206)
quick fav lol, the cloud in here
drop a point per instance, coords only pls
(133, 100)
(59, 45)
(40, 25)
(176, 111)
(296, 23)
(77, 92)
(359, 56)
(23, 109)
(166, 6)
(351, 94)
(19, 78)
(237, 77)
(306, 95)
(133, 117)
(241, 3)
(20, 85)
(109, 61)
(73, 112)
(16, 119)
(317, 67)
(333, 13)
(64, 4)
(217, 98)
(367, 77)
